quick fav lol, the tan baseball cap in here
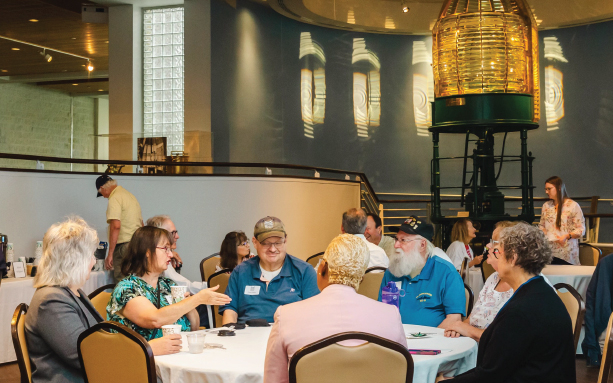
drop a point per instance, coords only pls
(269, 227)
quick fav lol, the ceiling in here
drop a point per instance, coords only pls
(59, 26)
(386, 16)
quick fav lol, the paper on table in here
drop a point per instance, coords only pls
(20, 269)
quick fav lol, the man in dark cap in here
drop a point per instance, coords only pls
(124, 216)
(433, 289)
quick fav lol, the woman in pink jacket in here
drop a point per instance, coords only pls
(338, 308)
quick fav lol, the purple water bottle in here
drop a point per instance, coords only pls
(390, 294)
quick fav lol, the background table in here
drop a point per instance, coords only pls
(14, 291)
(243, 359)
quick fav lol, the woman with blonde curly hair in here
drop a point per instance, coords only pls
(338, 277)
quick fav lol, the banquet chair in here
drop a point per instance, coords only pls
(464, 270)
(326, 361)
(486, 270)
(371, 282)
(313, 260)
(121, 356)
(607, 354)
(207, 265)
(470, 299)
(19, 342)
(574, 305)
(220, 278)
(589, 255)
(100, 298)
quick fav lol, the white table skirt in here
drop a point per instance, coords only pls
(243, 359)
(14, 291)
(577, 276)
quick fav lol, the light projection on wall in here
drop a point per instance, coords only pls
(312, 83)
(423, 87)
(389, 23)
(350, 16)
(554, 84)
(366, 88)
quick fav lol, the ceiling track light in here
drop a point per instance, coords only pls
(405, 6)
(46, 55)
(90, 67)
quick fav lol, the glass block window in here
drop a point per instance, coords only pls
(163, 75)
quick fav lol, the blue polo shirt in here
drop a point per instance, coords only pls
(252, 299)
(433, 294)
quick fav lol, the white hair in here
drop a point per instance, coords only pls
(68, 248)
(108, 184)
(405, 263)
(157, 221)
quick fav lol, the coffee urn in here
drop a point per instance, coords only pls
(3, 246)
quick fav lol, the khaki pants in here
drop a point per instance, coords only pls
(118, 255)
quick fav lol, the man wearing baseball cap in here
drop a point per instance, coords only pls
(271, 279)
(124, 216)
(433, 289)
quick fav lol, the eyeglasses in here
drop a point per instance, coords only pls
(277, 245)
(174, 233)
(166, 249)
(548, 189)
(246, 243)
(404, 240)
(493, 243)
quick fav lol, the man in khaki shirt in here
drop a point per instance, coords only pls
(124, 216)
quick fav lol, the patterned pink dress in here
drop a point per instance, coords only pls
(489, 303)
(572, 222)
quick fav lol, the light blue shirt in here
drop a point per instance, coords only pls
(432, 295)
(253, 299)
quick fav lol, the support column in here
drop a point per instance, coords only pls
(197, 109)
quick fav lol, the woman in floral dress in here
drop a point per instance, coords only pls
(562, 226)
(143, 300)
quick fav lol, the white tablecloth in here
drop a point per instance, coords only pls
(14, 291)
(243, 359)
(577, 276)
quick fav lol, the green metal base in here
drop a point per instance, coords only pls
(504, 112)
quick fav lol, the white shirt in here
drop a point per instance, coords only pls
(377, 254)
(441, 254)
(269, 275)
(193, 287)
(457, 252)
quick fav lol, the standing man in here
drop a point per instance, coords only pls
(434, 291)
(124, 216)
(259, 285)
(374, 234)
(354, 222)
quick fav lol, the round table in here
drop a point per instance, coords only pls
(243, 359)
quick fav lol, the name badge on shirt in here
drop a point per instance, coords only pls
(252, 290)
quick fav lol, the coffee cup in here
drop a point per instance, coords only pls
(168, 329)
(29, 267)
(178, 293)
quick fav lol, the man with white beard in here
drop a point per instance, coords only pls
(433, 289)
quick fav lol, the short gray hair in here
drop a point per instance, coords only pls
(108, 184)
(530, 246)
(68, 248)
(157, 221)
(355, 221)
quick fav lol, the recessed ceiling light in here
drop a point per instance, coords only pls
(73, 38)
(4, 70)
(75, 84)
(100, 90)
(33, 21)
(14, 49)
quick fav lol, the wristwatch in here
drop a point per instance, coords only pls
(570, 236)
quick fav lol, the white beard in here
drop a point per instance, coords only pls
(402, 264)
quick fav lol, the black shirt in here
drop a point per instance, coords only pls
(529, 341)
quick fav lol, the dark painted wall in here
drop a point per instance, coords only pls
(257, 114)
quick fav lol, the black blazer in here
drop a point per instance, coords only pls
(529, 341)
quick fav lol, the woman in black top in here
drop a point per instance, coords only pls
(531, 338)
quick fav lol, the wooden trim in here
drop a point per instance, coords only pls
(224, 271)
(471, 299)
(374, 268)
(100, 289)
(21, 309)
(130, 334)
(580, 314)
(330, 340)
(202, 276)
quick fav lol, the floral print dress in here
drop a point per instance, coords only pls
(572, 222)
(132, 287)
(489, 303)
